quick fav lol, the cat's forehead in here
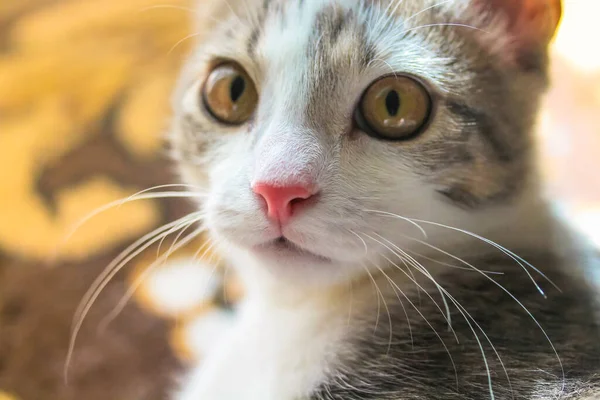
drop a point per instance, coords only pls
(282, 31)
(341, 35)
(279, 26)
(296, 25)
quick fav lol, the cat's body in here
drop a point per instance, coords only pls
(323, 216)
(328, 348)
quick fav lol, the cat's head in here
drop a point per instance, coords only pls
(312, 124)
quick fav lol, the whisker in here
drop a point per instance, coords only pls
(361, 239)
(503, 249)
(117, 203)
(427, 9)
(519, 260)
(501, 287)
(111, 270)
(410, 271)
(391, 325)
(424, 270)
(378, 298)
(166, 186)
(208, 243)
(421, 269)
(517, 301)
(181, 232)
(212, 253)
(466, 315)
(394, 287)
(447, 264)
(190, 36)
(409, 220)
(387, 64)
(442, 25)
(424, 319)
(143, 276)
(149, 236)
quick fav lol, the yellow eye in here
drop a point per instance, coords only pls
(394, 108)
(229, 94)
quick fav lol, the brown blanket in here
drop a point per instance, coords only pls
(84, 89)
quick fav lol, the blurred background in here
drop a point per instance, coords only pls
(84, 98)
(569, 130)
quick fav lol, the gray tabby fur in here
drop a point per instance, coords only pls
(478, 158)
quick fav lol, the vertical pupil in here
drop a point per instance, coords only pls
(237, 88)
(392, 103)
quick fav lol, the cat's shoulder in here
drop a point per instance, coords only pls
(529, 327)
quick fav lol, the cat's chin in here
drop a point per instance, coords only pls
(290, 264)
(287, 252)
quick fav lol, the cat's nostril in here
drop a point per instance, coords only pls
(281, 201)
(296, 201)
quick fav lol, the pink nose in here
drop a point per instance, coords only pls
(281, 200)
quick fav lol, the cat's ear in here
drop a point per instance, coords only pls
(532, 21)
(527, 26)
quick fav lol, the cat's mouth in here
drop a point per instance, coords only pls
(283, 247)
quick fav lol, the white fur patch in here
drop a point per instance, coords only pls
(271, 353)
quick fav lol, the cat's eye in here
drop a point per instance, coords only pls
(229, 94)
(394, 108)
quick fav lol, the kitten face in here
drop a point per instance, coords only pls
(311, 63)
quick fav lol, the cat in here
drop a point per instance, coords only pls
(368, 168)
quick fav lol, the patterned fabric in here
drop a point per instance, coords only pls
(84, 90)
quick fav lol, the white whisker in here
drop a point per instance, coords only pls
(112, 269)
(423, 316)
(442, 25)
(421, 269)
(180, 41)
(447, 264)
(132, 247)
(143, 276)
(424, 270)
(197, 257)
(379, 297)
(361, 239)
(409, 220)
(522, 262)
(503, 249)
(516, 300)
(391, 325)
(181, 232)
(395, 288)
(135, 197)
(466, 315)
(427, 9)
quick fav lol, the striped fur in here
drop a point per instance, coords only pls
(358, 326)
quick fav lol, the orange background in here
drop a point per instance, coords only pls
(64, 63)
